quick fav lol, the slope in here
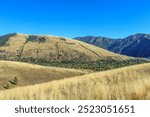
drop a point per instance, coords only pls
(125, 83)
(134, 45)
(15, 74)
(51, 49)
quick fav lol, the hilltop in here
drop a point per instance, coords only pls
(51, 49)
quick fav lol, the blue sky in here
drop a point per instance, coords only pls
(71, 18)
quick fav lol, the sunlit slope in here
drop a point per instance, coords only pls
(15, 74)
(125, 83)
(51, 48)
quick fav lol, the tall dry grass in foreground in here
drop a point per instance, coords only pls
(124, 83)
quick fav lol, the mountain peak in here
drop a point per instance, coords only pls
(140, 34)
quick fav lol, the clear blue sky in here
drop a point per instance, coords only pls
(71, 18)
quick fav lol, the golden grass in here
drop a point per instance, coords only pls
(54, 49)
(124, 83)
(29, 74)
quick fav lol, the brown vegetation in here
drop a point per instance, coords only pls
(15, 74)
(124, 83)
(51, 48)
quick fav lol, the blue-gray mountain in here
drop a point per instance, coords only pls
(137, 45)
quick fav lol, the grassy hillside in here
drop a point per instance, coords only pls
(15, 74)
(60, 52)
(124, 83)
(51, 49)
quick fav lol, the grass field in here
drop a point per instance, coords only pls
(124, 83)
(15, 74)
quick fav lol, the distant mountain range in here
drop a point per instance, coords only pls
(137, 45)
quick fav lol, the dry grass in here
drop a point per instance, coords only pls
(53, 49)
(14, 74)
(124, 83)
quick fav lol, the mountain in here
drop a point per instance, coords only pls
(137, 45)
(25, 47)
(129, 83)
(16, 74)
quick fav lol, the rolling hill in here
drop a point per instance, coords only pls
(60, 52)
(15, 74)
(23, 47)
(20, 80)
(124, 83)
(134, 45)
